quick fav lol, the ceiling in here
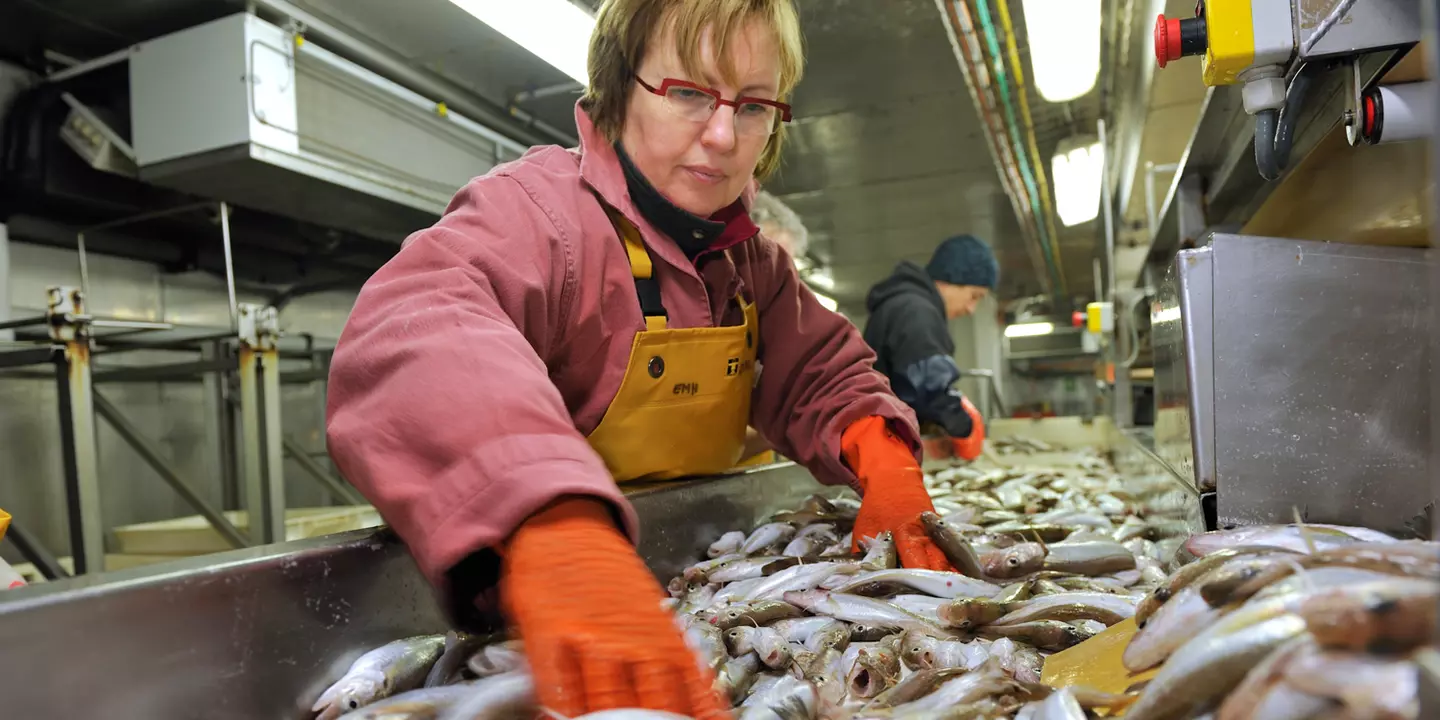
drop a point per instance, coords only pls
(885, 159)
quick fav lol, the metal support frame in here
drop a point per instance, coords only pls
(333, 485)
(69, 327)
(259, 361)
(153, 456)
(219, 402)
(34, 552)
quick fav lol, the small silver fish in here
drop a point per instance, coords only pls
(387, 670)
(767, 536)
(727, 544)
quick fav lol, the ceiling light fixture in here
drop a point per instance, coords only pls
(1029, 329)
(556, 31)
(1064, 41)
(1077, 169)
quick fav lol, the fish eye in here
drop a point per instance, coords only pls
(354, 704)
(1012, 561)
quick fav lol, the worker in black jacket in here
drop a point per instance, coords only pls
(909, 330)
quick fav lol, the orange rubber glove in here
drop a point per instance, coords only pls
(588, 611)
(970, 447)
(893, 492)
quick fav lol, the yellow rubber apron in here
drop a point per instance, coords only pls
(684, 402)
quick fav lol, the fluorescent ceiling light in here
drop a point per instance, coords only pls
(827, 302)
(1064, 41)
(1077, 171)
(556, 31)
(821, 279)
(1029, 329)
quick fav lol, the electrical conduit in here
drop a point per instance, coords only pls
(1018, 72)
(972, 64)
(1025, 170)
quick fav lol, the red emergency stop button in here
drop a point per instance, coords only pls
(1077, 318)
(1179, 37)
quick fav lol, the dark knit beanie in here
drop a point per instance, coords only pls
(964, 260)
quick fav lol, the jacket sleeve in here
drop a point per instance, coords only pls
(917, 340)
(440, 409)
(818, 374)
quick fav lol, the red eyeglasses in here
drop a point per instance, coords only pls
(753, 116)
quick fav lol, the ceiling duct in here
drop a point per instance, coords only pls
(241, 110)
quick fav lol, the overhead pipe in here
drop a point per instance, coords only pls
(964, 44)
(1026, 172)
(513, 122)
(1018, 72)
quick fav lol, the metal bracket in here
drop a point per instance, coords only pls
(1354, 90)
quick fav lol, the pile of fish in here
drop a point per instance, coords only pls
(794, 625)
(1288, 622)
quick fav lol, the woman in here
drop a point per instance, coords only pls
(598, 315)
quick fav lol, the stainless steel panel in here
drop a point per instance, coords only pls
(1194, 269)
(1172, 386)
(1321, 381)
(1368, 25)
(252, 633)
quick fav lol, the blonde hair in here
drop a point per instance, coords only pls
(624, 28)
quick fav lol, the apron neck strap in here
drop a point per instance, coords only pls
(647, 288)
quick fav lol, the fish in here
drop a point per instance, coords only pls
(1013, 561)
(496, 659)
(1241, 703)
(968, 612)
(1043, 634)
(727, 544)
(387, 670)
(873, 672)
(810, 540)
(1061, 705)
(921, 651)
(953, 544)
(789, 698)
(418, 703)
(700, 570)
(767, 536)
(801, 629)
(880, 552)
(1089, 558)
(704, 639)
(859, 609)
(937, 583)
(798, 577)
(1103, 607)
(1367, 685)
(1207, 668)
(735, 676)
(1168, 629)
(914, 686)
(458, 649)
(1421, 560)
(1188, 574)
(926, 606)
(961, 690)
(496, 698)
(761, 612)
(1222, 585)
(1289, 537)
(749, 568)
(1384, 616)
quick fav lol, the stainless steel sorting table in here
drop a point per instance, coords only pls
(256, 633)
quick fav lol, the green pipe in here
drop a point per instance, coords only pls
(998, 60)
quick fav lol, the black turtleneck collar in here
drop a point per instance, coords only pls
(691, 232)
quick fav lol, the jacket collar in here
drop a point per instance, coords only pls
(602, 169)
